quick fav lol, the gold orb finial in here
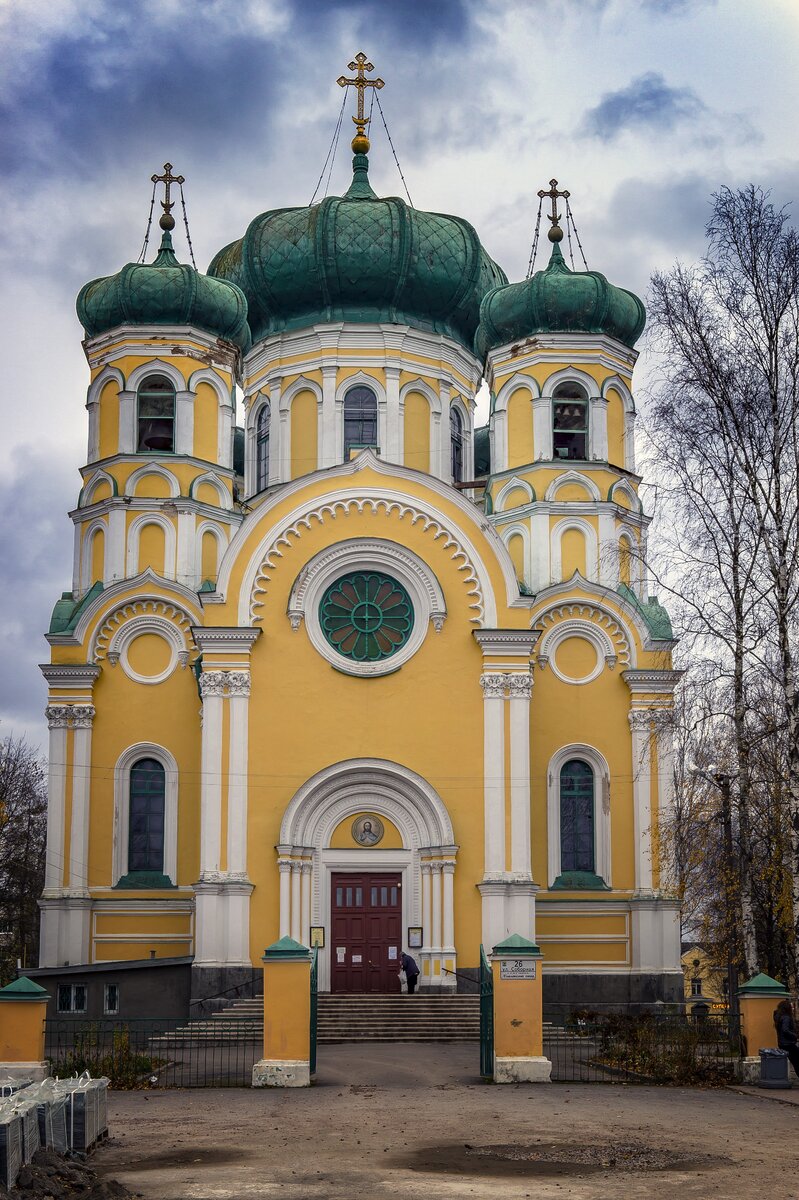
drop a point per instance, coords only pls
(555, 234)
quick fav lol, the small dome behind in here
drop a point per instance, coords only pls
(164, 292)
(558, 300)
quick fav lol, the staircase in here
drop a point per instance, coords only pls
(352, 1018)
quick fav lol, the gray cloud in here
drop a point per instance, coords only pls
(646, 103)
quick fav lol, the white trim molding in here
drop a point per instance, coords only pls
(602, 824)
(163, 628)
(572, 477)
(152, 468)
(122, 807)
(367, 554)
(597, 636)
(588, 620)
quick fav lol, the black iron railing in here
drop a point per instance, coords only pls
(486, 1017)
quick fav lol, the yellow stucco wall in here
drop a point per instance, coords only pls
(417, 432)
(304, 435)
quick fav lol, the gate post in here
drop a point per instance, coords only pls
(287, 1017)
(22, 1013)
(518, 1013)
(758, 998)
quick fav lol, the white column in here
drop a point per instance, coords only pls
(189, 560)
(391, 448)
(57, 720)
(225, 435)
(598, 428)
(608, 550)
(239, 693)
(665, 752)
(212, 687)
(281, 418)
(427, 918)
(275, 440)
(439, 433)
(436, 879)
(520, 686)
(305, 931)
(493, 685)
(93, 449)
(296, 913)
(82, 716)
(330, 452)
(184, 423)
(115, 545)
(284, 867)
(542, 428)
(640, 725)
(448, 925)
(540, 568)
(127, 423)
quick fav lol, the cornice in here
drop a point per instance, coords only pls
(224, 639)
(71, 675)
(168, 506)
(652, 681)
(503, 641)
(161, 340)
(204, 464)
(576, 347)
(570, 508)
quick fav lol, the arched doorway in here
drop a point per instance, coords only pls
(317, 865)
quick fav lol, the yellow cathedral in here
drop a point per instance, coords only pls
(358, 672)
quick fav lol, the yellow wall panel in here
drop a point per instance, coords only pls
(210, 556)
(515, 545)
(98, 557)
(122, 951)
(109, 420)
(616, 953)
(417, 432)
(152, 486)
(520, 428)
(304, 434)
(206, 423)
(615, 428)
(572, 553)
(152, 548)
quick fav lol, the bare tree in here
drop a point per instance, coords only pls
(23, 820)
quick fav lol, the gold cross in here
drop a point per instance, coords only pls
(167, 220)
(554, 195)
(360, 83)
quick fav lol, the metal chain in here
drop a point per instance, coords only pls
(534, 247)
(570, 220)
(145, 243)
(186, 223)
(391, 144)
(333, 143)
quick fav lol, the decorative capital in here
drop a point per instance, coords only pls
(82, 716)
(306, 868)
(284, 865)
(238, 683)
(493, 686)
(57, 716)
(640, 719)
(436, 867)
(448, 866)
(212, 683)
(520, 686)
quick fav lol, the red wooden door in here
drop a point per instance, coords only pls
(366, 932)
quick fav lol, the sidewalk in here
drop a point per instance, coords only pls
(402, 1122)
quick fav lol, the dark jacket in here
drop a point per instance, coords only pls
(409, 965)
(786, 1032)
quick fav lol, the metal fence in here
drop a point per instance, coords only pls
(486, 1017)
(314, 1008)
(156, 1053)
(644, 1047)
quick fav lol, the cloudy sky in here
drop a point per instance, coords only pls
(642, 108)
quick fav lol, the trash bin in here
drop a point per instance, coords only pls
(774, 1069)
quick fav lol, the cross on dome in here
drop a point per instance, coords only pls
(360, 143)
(167, 221)
(556, 233)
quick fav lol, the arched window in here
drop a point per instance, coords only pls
(569, 422)
(156, 420)
(456, 444)
(360, 419)
(577, 817)
(262, 449)
(146, 816)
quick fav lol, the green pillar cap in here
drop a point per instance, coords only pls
(517, 946)
(762, 985)
(23, 989)
(286, 950)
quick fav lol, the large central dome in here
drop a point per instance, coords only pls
(362, 259)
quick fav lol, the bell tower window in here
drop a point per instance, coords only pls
(360, 419)
(156, 419)
(569, 422)
(456, 445)
(262, 448)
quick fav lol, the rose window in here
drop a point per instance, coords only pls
(366, 616)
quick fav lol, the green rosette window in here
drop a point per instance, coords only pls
(366, 616)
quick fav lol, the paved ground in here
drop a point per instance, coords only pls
(412, 1121)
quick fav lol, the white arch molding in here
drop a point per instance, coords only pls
(282, 428)
(602, 831)
(152, 468)
(415, 808)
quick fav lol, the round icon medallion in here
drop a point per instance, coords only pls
(367, 831)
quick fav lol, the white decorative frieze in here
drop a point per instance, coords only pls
(69, 716)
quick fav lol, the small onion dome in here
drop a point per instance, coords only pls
(558, 300)
(164, 292)
(362, 259)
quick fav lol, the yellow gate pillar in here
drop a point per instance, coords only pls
(287, 1017)
(23, 1008)
(758, 998)
(518, 1013)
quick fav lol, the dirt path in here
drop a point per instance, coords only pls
(410, 1121)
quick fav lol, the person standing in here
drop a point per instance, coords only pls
(785, 1026)
(411, 971)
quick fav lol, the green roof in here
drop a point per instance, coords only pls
(286, 949)
(516, 944)
(655, 615)
(558, 300)
(67, 610)
(363, 259)
(762, 985)
(23, 989)
(164, 292)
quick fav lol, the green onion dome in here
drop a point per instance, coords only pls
(558, 300)
(164, 292)
(362, 259)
